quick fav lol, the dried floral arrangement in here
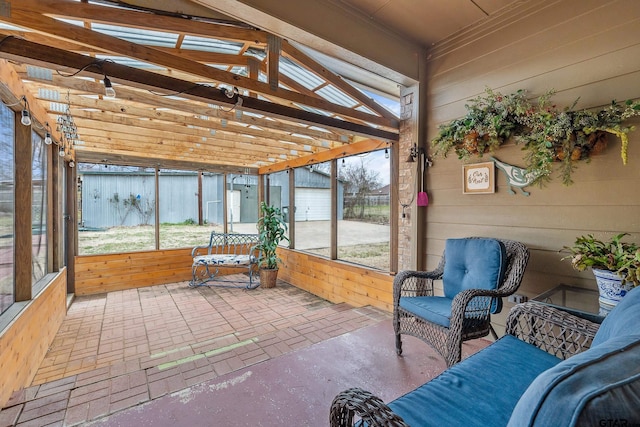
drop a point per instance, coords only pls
(547, 134)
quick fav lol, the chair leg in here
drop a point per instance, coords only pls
(398, 345)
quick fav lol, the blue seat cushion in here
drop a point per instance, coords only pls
(433, 309)
(477, 263)
(600, 384)
(482, 390)
(623, 319)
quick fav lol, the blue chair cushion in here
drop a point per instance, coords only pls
(623, 319)
(477, 263)
(433, 309)
(482, 390)
(600, 384)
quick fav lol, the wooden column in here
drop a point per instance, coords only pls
(200, 218)
(394, 201)
(292, 208)
(334, 209)
(23, 239)
(157, 205)
(71, 225)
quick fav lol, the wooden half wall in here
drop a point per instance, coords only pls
(337, 281)
(97, 274)
(24, 343)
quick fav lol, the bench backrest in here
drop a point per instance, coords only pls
(233, 244)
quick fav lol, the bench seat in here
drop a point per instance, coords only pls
(225, 251)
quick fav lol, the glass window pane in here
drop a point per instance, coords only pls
(278, 191)
(363, 225)
(179, 210)
(313, 209)
(116, 209)
(242, 203)
(7, 214)
(38, 208)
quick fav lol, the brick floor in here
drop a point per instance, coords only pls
(118, 350)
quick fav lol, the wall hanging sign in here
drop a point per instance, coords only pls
(478, 178)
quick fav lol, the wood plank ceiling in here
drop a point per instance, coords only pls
(176, 78)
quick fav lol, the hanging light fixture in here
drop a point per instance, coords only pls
(109, 91)
(47, 134)
(386, 153)
(26, 116)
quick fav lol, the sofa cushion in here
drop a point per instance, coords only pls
(600, 384)
(477, 263)
(482, 390)
(433, 309)
(623, 319)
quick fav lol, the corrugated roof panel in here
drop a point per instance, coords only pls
(299, 74)
(208, 44)
(129, 62)
(136, 35)
(335, 95)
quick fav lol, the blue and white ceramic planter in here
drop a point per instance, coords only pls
(611, 289)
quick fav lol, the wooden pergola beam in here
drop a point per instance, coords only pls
(363, 146)
(23, 16)
(278, 130)
(36, 54)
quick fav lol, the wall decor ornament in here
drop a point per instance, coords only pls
(546, 133)
(478, 178)
(516, 176)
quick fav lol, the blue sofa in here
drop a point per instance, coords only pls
(551, 369)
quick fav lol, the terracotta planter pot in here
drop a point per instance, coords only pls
(268, 277)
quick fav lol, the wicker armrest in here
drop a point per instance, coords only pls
(551, 329)
(414, 283)
(364, 405)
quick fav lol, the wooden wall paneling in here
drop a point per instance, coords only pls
(25, 342)
(105, 273)
(337, 281)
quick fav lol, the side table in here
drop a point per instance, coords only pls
(579, 301)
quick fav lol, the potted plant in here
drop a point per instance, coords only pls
(615, 265)
(271, 230)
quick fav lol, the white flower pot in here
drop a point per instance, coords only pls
(611, 287)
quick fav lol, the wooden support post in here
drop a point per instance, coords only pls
(274, 44)
(22, 226)
(292, 208)
(70, 219)
(200, 218)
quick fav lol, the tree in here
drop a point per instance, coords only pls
(359, 182)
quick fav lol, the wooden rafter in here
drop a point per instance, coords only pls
(22, 15)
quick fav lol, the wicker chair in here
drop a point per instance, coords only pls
(470, 313)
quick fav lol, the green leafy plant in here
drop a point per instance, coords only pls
(546, 133)
(614, 255)
(272, 230)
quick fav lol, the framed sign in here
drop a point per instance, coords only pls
(478, 178)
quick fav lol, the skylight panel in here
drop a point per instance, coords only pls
(208, 44)
(134, 63)
(138, 36)
(336, 96)
(299, 74)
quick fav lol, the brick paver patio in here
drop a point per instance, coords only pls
(117, 350)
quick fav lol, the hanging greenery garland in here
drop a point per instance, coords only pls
(547, 134)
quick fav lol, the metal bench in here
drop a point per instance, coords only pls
(225, 251)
